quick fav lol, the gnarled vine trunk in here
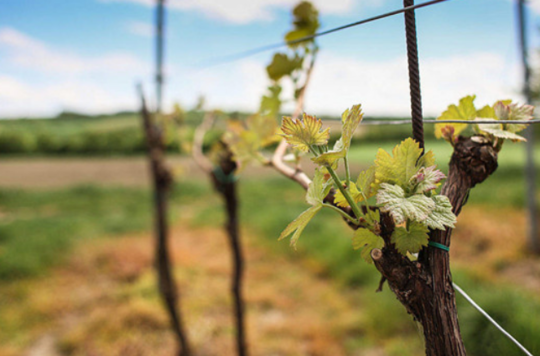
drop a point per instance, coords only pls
(225, 183)
(162, 180)
(424, 286)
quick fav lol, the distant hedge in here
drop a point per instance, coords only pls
(121, 134)
(77, 134)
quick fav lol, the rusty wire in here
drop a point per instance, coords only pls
(414, 74)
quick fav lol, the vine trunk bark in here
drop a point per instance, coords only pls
(225, 183)
(424, 286)
(162, 179)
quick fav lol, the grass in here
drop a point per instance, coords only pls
(38, 229)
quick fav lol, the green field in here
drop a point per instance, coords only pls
(39, 229)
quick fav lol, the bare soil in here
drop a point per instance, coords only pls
(104, 302)
(129, 171)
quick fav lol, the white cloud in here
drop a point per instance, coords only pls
(140, 28)
(338, 82)
(49, 80)
(24, 51)
(26, 99)
(380, 86)
(244, 11)
(383, 88)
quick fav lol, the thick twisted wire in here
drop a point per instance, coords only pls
(414, 74)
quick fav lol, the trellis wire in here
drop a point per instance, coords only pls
(491, 320)
(429, 121)
(251, 52)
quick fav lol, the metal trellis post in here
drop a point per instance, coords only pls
(160, 19)
(530, 174)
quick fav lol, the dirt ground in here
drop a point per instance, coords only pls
(60, 172)
(104, 302)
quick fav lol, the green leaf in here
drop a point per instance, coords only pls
(402, 165)
(365, 182)
(350, 119)
(305, 133)
(265, 128)
(464, 111)
(366, 240)
(317, 189)
(244, 145)
(486, 112)
(392, 199)
(299, 224)
(331, 158)
(294, 35)
(340, 200)
(442, 216)
(410, 239)
(282, 66)
(373, 216)
(306, 23)
(271, 103)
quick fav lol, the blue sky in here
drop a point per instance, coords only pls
(86, 55)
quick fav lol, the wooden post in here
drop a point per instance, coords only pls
(162, 179)
(225, 183)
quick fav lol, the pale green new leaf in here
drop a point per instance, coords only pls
(265, 128)
(317, 189)
(299, 224)
(464, 111)
(366, 240)
(373, 216)
(410, 239)
(350, 119)
(505, 110)
(330, 158)
(363, 185)
(271, 102)
(341, 201)
(392, 199)
(282, 66)
(244, 145)
(365, 182)
(442, 216)
(404, 162)
(486, 112)
(497, 131)
(306, 23)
